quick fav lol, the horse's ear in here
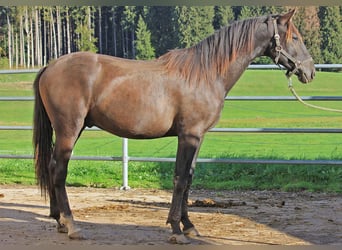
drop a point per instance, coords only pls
(284, 19)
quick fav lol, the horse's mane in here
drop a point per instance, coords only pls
(212, 56)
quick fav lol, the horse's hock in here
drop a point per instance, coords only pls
(111, 216)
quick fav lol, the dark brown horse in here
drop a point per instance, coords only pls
(179, 94)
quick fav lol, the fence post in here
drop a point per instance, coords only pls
(125, 164)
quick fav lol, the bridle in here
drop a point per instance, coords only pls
(279, 50)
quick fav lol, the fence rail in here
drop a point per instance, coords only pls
(252, 66)
(228, 98)
(226, 130)
(125, 158)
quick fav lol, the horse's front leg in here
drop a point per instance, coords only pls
(187, 148)
(189, 227)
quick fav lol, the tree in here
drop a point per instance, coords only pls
(331, 31)
(163, 32)
(33, 36)
(194, 24)
(100, 29)
(249, 11)
(37, 37)
(114, 31)
(85, 30)
(53, 34)
(143, 46)
(21, 11)
(128, 31)
(10, 40)
(224, 15)
(307, 22)
(59, 31)
(67, 29)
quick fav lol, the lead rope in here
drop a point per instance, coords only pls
(291, 88)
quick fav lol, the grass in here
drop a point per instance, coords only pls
(207, 176)
(233, 145)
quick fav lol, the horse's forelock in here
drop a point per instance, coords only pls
(292, 29)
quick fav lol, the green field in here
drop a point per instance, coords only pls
(244, 114)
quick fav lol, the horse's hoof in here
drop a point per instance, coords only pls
(76, 235)
(191, 231)
(62, 229)
(179, 239)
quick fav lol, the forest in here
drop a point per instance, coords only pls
(31, 36)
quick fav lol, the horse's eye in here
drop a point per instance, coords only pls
(295, 38)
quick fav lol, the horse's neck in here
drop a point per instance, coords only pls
(239, 65)
(235, 70)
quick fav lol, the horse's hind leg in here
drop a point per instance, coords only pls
(60, 209)
(54, 210)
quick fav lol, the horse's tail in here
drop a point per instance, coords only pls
(42, 138)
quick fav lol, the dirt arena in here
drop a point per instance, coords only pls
(137, 217)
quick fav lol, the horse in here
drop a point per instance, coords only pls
(180, 94)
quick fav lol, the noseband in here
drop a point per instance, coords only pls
(279, 49)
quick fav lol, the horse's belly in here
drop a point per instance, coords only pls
(131, 120)
(135, 129)
(136, 106)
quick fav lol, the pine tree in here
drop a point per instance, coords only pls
(250, 11)
(331, 31)
(245, 12)
(163, 31)
(194, 24)
(269, 10)
(143, 46)
(85, 30)
(307, 22)
(33, 36)
(224, 15)
(128, 31)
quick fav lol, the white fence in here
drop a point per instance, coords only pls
(125, 158)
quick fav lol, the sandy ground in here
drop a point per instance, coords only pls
(137, 217)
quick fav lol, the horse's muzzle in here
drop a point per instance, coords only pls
(306, 71)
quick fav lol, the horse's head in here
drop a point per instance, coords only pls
(287, 48)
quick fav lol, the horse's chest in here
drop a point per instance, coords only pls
(202, 110)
